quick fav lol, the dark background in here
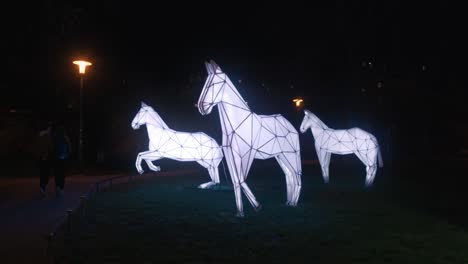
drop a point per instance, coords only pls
(391, 68)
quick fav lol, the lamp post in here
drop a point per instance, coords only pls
(82, 70)
(298, 103)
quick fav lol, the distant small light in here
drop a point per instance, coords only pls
(240, 81)
(298, 101)
(424, 68)
(363, 90)
(379, 85)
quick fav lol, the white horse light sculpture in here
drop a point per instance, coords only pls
(248, 136)
(353, 140)
(167, 143)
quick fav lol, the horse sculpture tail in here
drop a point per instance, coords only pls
(379, 156)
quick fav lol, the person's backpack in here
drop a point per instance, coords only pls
(61, 147)
(61, 150)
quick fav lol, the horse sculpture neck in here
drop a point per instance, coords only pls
(154, 121)
(232, 107)
(232, 97)
(316, 125)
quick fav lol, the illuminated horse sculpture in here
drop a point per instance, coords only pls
(353, 140)
(181, 146)
(248, 136)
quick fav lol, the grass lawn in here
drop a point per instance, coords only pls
(169, 220)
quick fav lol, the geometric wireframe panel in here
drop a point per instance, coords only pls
(167, 143)
(248, 136)
(344, 141)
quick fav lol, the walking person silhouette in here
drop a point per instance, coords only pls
(54, 149)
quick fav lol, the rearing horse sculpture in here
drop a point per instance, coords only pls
(182, 146)
(248, 136)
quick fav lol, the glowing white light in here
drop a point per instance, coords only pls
(354, 140)
(248, 136)
(298, 101)
(167, 143)
(82, 66)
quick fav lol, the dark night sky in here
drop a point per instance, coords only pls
(156, 50)
(168, 38)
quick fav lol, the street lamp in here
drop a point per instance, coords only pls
(82, 70)
(298, 102)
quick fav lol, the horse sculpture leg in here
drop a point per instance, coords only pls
(326, 166)
(324, 158)
(238, 179)
(371, 165)
(214, 175)
(289, 182)
(148, 156)
(250, 196)
(293, 176)
(235, 180)
(370, 174)
(297, 176)
(151, 166)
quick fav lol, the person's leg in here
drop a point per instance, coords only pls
(44, 170)
(59, 176)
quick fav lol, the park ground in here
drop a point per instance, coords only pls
(414, 214)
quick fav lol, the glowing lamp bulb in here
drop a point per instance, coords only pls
(298, 101)
(82, 65)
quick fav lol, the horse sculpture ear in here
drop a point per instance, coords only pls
(143, 104)
(306, 112)
(208, 68)
(216, 68)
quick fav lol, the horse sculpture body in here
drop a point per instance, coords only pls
(167, 143)
(248, 136)
(355, 140)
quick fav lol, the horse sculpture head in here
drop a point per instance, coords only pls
(310, 121)
(146, 116)
(212, 91)
(142, 116)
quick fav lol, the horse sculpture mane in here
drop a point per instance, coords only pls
(159, 122)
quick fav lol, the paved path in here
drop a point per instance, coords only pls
(26, 218)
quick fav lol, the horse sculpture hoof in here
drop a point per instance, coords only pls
(240, 214)
(258, 208)
(206, 185)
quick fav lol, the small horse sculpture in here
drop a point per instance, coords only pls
(248, 136)
(167, 143)
(343, 141)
